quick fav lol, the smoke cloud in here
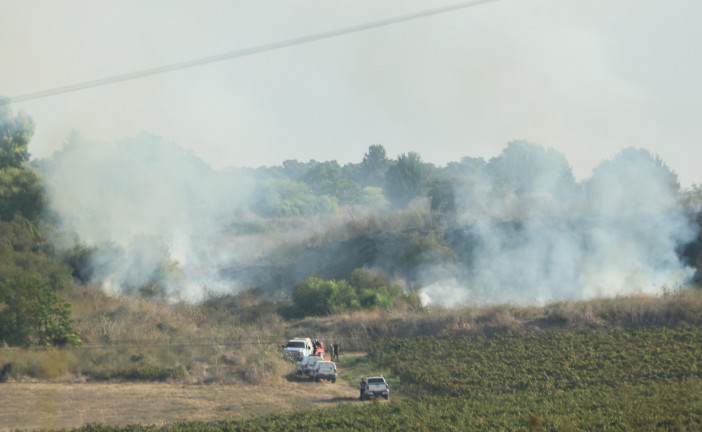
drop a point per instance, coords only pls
(546, 238)
(152, 212)
(156, 217)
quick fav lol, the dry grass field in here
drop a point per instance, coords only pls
(31, 406)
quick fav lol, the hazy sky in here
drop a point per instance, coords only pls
(587, 78)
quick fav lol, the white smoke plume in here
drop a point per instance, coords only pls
(153, 212)
(537, 236)
(525, 230)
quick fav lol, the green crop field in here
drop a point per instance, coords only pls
(626, 380)
(537, 363)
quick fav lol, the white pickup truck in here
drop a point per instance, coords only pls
(376, 386)
(297, 349)
(323, 370)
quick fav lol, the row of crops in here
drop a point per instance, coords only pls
(465, 366)
(637, 380)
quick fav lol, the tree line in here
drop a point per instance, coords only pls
(524, 177)
(31, 274)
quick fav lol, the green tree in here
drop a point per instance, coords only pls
(424, 249)
(529, 168)
(630, 179)
(467, 169)
(375, 164)
(373, 196)
(328, 178)
(406, 179)
(287, 198)
(316, 296)
(374, 290)
(442, 196)
(32, 314)
(294, 169)
(25, 253)
(21, 193)
(21, 190)
(15, 133)
(691, 200)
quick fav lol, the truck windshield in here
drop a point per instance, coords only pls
(376, 381)
(295, 344)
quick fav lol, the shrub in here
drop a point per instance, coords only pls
(30, 313)
(318, 297)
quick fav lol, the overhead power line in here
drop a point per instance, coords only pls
(241, 53)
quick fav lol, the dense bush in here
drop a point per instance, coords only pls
(317, 297)
(25, 253)
(32, 314)
(288, 198)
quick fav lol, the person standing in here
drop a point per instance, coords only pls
(316, 347)
(363, 387)
(335, 350)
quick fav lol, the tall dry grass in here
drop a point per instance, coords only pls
(128, 336)
(238, 341)
(356, 330)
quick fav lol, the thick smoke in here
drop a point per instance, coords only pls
(155, 217)
(153, 214)
(535, 235)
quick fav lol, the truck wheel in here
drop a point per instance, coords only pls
(386, 397)
(333, 380)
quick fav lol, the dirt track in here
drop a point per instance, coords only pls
(54, 406)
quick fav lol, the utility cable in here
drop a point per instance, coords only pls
(241, 53)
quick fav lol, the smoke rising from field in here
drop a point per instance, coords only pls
(616, 233)
(154, 213)
(156, 217)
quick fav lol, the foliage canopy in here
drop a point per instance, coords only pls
(32, 314)
(318, 297)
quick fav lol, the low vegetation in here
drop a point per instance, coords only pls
(638, 380)
(129, 338)
(544, 363)
(34, 315)
(317, 297)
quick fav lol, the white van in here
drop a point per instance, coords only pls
(323, 370)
